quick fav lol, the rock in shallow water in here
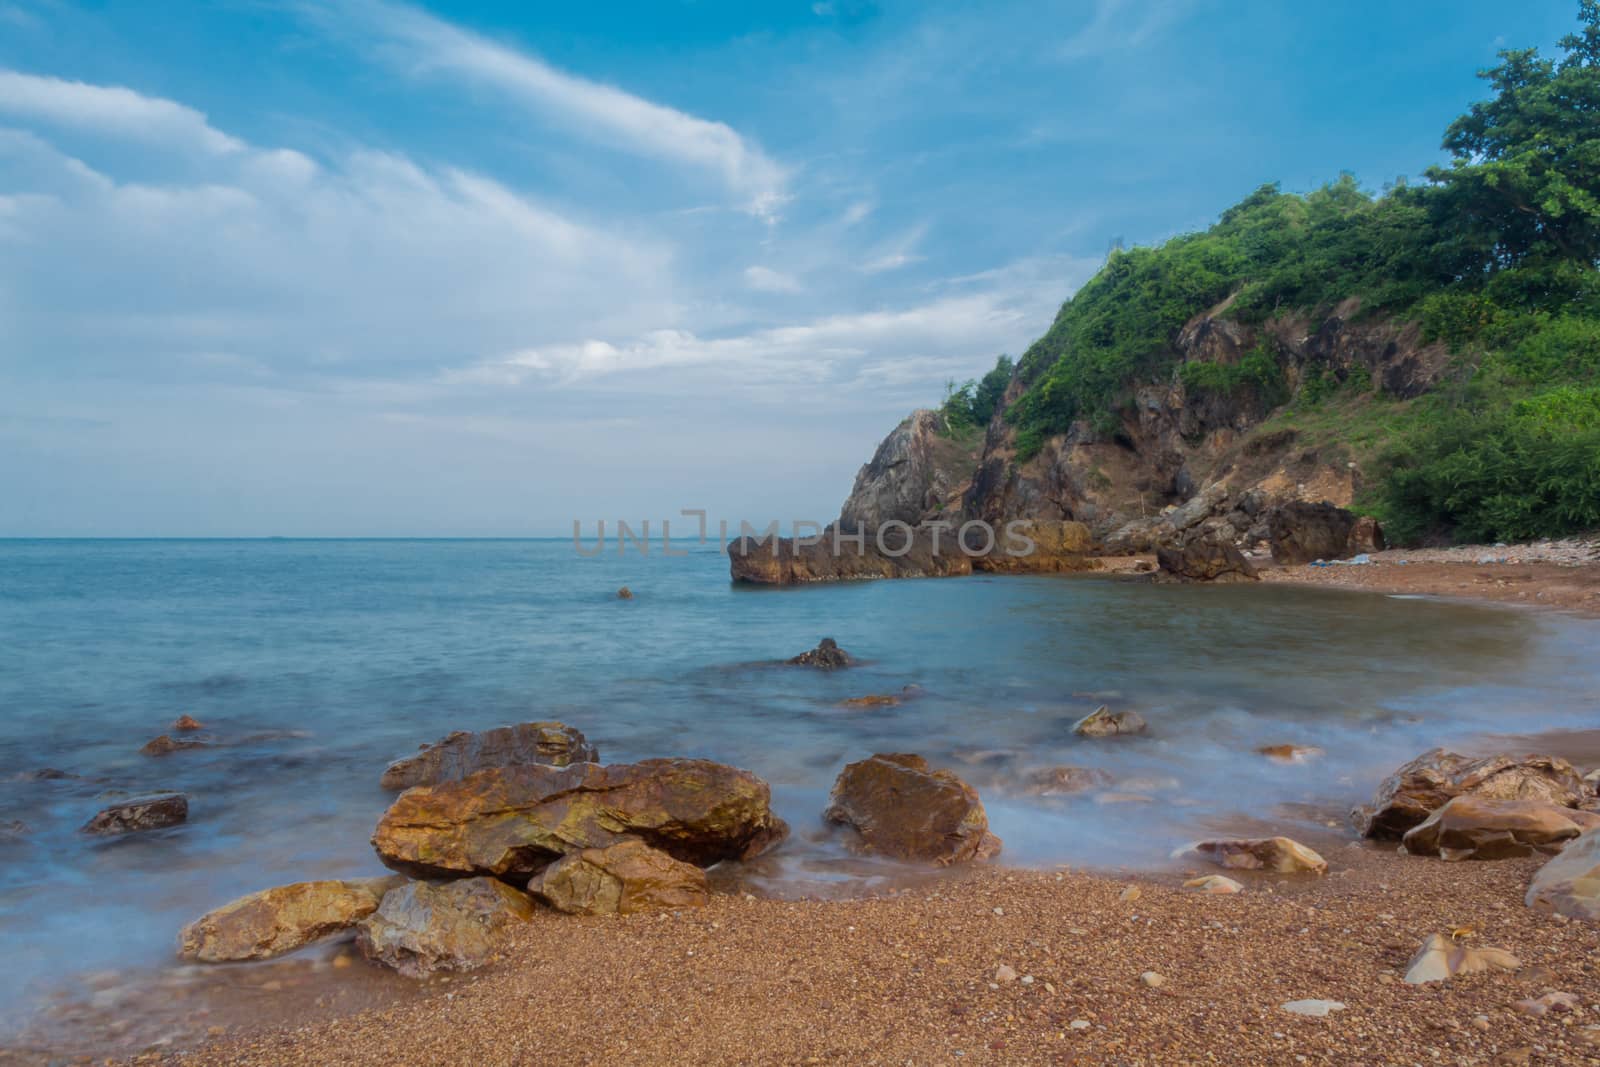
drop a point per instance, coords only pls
(827, 655)
(165, 745)
(1103, 722)
(620, 879)
(512, 822)
(151, 812)
(898, 807)
(464, 752)
(1407, 797)
(1472, 827)
(423, 927)
(1281, 855)
(282, 919)
(1570, 884)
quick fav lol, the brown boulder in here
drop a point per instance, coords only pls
(1204, 559)
(1416, 790)
(187, 722)
(1281, 855)
(623, 878)
(1103, 722)
(151, 812)
(1570, 884)
(1301, 531)
(898, 807)
(1440, 959)
(463, 752)
(423, 927)
(274, 921)
(1057, 547)
(1366, 536)
(1477, 828)
(512, 822)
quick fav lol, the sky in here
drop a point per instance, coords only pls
(362, 268)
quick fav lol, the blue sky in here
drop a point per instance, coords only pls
(346, 268)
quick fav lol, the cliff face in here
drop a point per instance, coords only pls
(1182, 461)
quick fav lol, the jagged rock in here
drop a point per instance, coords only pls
(1063, 781)
(1474, 827)
(1428, 782)
(279, 920)
(150, 812)
(1038, 546)
(1366, 536)
(1214, 884)
(462, 753)
(827, 655)
(1103, 722)
(187, 723)
(1570, 883)
(165, 745)
(623, 878)
(836, 557)
(1281, 855)
(898, 807)
(512, 822)
(915, 468)
(1439, 959)
(1302, 531)
(423, 927)
(1205, 560)
(624, 593)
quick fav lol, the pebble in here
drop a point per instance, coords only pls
(1152, 979)
(1005, 973)
(1079, 1024)
(1315, 1008)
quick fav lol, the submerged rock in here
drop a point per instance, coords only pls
(624, 593)
(827, 655)
(898, 807)
(1281, 855)
(623, 878)
(423, 927)
(463, 752)
(1290, 753)
(1430, 781)
(1474, 827)
(186, 723)
(1204, 559)
(166, 744)
(282, 919)
(150, 812)
(512, 822)
(1570, 884)
(1063, 781)
(1439, 959)
(1103, 722)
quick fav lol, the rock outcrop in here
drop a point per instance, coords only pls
(1474, 827)
(1570, 884)
(896, 806)
(1407, 797)
(150, 812)
(512, 822)
(463, 752)
(919, 468)
(1103, 722)
(827, 656)
(620, 879)
(282, 919)
(424, 927)
(935, 549)
(1280, 855)
(1204, 559)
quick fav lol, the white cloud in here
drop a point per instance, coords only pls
(1118, 25)
(767, 280)
(110, 111)
(428, 45)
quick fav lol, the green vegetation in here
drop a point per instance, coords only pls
(970, 406)
(1494, 256)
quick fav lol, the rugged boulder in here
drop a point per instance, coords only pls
(1430, 781)
(1476, 828)
(918, 467)
(896, 806)
(423, 927)
(166, 745)
(1570, 884)
(279, 920)
(620, 879)
(1103, 722)
(463, 752)
(1280, 855)
(827, 655)
(1204, 559)
(150, 812)
(838, 556)
(1214, 885)
(187, 723)
(1301, 531)
(1036, 546)
(512, 822)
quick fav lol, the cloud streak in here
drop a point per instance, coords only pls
(110, 111)
(424, 44)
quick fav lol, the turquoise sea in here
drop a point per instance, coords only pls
(314, 663)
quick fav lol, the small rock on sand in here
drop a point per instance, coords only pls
(1317, 1009)
(1439, 959)
(1217, 884)
(1152, 979)
(1005, 973)
(1281, 855)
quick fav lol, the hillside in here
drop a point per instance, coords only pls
(1429, 355)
